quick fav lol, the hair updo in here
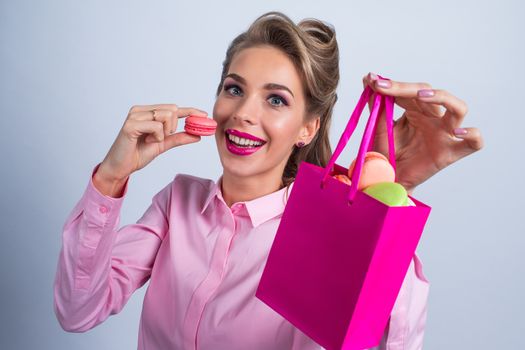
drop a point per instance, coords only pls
(312, 47)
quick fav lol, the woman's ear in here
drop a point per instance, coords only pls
(309, 130)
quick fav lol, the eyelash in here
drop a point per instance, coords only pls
(282, 99)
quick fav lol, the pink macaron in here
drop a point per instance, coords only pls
(201, 126)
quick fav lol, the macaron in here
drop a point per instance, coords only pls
(201, 126)
(392, 194)
(376, 168)
(343, 179)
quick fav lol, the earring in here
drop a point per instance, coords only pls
(300, 144)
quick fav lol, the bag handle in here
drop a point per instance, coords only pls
(367, 135)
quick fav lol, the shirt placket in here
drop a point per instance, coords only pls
(209, 285)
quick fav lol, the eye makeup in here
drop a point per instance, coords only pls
(230, 85)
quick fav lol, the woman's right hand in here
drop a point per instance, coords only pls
(148, 131)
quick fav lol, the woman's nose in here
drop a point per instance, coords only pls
(247, 111)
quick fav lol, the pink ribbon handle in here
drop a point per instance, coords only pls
(367, 136)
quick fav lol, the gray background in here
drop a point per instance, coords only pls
(70, 71)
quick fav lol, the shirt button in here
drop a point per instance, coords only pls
(103, 209)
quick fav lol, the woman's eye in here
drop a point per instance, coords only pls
(233, 90)
(277, 101)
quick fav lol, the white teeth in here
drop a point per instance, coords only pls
(244, 142)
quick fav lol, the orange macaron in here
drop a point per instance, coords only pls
(376, 168)
(343, 179)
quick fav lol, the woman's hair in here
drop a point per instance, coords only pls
(312, 47)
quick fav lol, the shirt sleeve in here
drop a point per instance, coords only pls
(100, 266)
(406, 325)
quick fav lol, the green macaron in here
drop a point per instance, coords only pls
(390, 193)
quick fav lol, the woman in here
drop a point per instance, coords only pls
(203, 245)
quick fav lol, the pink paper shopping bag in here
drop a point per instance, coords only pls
(340, 256)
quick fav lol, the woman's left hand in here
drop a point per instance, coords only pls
(426, 140)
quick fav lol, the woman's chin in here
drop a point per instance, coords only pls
(236, 172)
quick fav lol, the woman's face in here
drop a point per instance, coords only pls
(261, 106)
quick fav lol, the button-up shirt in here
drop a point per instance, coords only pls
(203, 261)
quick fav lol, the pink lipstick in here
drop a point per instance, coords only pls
(242, 150)
(243, 135)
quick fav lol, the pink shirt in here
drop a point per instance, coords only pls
(204, 261)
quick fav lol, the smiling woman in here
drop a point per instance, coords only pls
(203, 244)
(262, 99)
(302, 58)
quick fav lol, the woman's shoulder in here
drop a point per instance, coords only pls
(192, 180)
(191, 187)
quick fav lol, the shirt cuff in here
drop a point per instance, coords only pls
(100, 209)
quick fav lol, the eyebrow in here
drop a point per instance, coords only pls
(269, 86)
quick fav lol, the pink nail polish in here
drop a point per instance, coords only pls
(373, 76)
(384, 83)
(425, 93)
(460, 131)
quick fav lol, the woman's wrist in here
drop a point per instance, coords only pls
(109, 186)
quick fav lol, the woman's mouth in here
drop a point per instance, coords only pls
(240, 145)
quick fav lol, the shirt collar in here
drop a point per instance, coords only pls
(259, 209)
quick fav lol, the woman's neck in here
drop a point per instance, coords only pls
(241, 189)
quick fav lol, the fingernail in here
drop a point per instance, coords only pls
(372, 76)
(383, 83)
(460, 131)
(425, 93)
